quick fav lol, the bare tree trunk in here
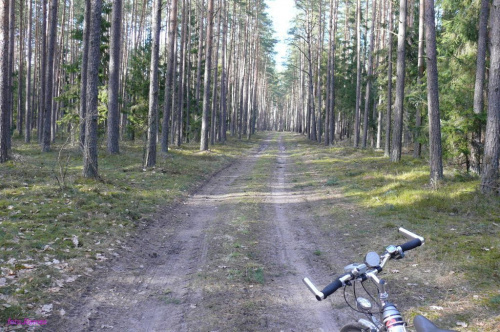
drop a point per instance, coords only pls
(10, 91)
(370, 73)
(214, 92)
(388, 122)
(182, 75)
(200, 56)
(169, 83)
(49, 77)
(85, 60)
(90, 167)
(20, 83)
(153, 87)
(28, 117)
(358, 75)
(397, 133)
(4, 81)
(489, 178)
(114, 79)
(435, 152)
(206, 93)
(479, 85)
(418, 117)
(224, 79)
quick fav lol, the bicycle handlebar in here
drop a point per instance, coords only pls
(412, 244)
(415, 242)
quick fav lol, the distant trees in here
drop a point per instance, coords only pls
(363, 65)
(212, 72)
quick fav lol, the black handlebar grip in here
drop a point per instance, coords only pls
(331, 288)
(411, 244)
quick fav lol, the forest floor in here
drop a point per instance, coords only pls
(231, 255)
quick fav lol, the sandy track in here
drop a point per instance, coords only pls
(156, 286)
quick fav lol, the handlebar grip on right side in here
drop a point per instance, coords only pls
(412, 244)
(331, 288)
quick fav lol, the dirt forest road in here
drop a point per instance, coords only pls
(229, 258)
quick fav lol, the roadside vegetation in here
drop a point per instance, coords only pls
(454, 278)
(56, 226)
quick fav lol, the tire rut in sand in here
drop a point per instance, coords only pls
(149, 288)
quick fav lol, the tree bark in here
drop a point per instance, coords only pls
(206, 92)
(435, 151)
(169, 83)
(489, 177)
(388, 124)
(49, 77)
(90, 166)
(482, 47)
(4, 76)
(358, 75)
(370, 74)
(114, 79)
(397, 133)
(153, 86)
(28, 116)
(83, 86)
(417, 150)
(10, 91)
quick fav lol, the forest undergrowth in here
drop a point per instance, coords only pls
(56, 226)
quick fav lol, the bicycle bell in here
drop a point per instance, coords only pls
(372, 259)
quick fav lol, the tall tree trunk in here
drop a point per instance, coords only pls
(10, 100)
(199, 58)
(397, 133)
(90, 166)
(114, 76)
(206, 92)
(49, 77)
(4, 81)
(169, 83)
(28, 116)
(358, 75)
(20, 83)
(489, 177)
(182, 75)
(83, 83)
(418, 117)
(224, 79)
(479, 85)
(435, 152)
(370, 73)
(153, 87)
(214, 92)
(388, 123)
(330, 135)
